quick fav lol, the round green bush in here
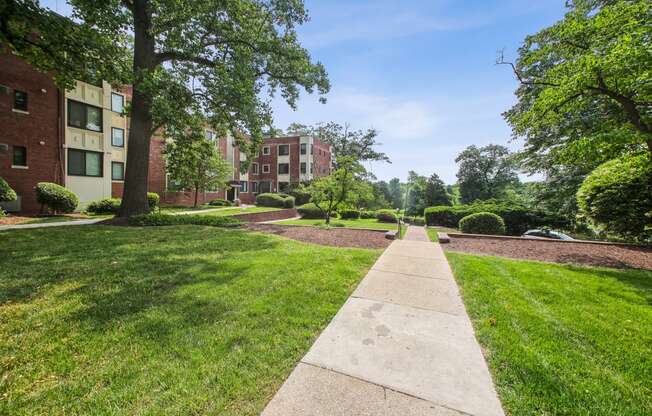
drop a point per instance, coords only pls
(386, 215)
(55, 197)
(310, 211)
(218, 202)
(288, 202)
(153, 200)
(482, 223)
(7, 194)
(274, 200)
(301, 194)
(347, 214)
(105, 206)
(617, 196)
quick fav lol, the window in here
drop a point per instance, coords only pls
(303, 167)
(265, 168)
(117, 103)
(254, 168)
(265, 150)
(283, 149)
(283, 186)
(303, 148)
(312, 149)
(84, 163)
(84, 116)
(312, 168)
(172, 185)
(117, 137)
(265, 187)
(20, 156)
(243, 187)
(20, 100)
(210, 135)
(283, 168)
(117, 171)
(254, 187)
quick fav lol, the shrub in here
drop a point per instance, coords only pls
(7, 194)
(105, 206)
(367, 214)
(301, 194)
(218, 202)
(152, 200)
(310, 211)
(349, 214)
(517, 218)
(288, 202)
(55, 197)
(159, 219)
(386, 215)
(274, 200)
(482, 223)
(617, 196)
(414, 220)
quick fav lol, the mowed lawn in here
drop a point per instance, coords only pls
(349, 223)
(562, 339)
(160, 320)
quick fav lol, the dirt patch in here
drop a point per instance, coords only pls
(336, 237)
(607, 255)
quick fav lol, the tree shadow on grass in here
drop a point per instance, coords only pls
(116, 272)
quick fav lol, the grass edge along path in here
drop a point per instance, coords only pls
(177, 319)
(561, 339)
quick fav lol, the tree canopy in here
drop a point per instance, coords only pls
(484, 172)
(220, 58)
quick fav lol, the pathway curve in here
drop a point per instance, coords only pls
(402, 344)
(50, 224)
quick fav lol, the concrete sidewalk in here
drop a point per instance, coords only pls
(402, 344)
(50, 224)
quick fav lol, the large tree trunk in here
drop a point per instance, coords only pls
(196, 195)
(134, 199)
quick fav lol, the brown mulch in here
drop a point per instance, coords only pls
(336, 237)
(606, 255)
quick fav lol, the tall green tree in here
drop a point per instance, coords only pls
(586, 84)
(416, 200)
(485, 172)
(195, 162)
(436, 193)
(395, 192)
(223, 56)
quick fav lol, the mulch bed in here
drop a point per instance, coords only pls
(336, 237)
(588, 254)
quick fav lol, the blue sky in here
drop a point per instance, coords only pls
(422, 72)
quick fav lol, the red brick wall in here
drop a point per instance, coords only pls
(321, 159)
(41, 125)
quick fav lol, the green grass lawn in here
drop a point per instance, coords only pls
(561, 339)
(160, 320)
(359, 223)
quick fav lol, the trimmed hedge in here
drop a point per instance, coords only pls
(517, 218)
(367, 214)
(56, 197)
(218, 202)
(482, 223)
(414, 220)
(105, 206)
(386, 215)
(301, 195)
(153, 200)
(159, 219)
(310, 211)
(7, 194)
(275, 200)
(346, 214)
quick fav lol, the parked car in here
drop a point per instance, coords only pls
(546, 234)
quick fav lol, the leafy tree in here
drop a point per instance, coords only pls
(436, 193)
(219, 56)
(416, 194)
(617, 196)
(343, 186)
(194, 162)
(7, 194)
(395, 193)
(585, 83)
(484, 172)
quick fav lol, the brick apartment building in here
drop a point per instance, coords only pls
(78, 139)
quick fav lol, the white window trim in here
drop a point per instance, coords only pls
(257, 168)
(246, 187)
(278, 168)
(15, 110)
(278, 148)
(268, 169)
(19, 167)
(268, 152)
(123, 102)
